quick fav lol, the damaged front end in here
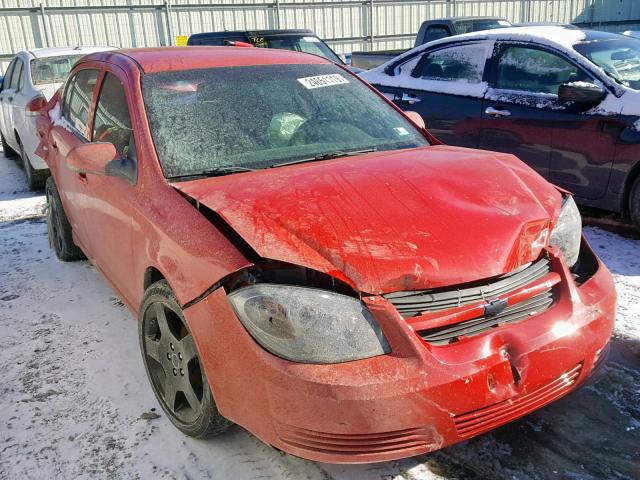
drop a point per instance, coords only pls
(346, 376)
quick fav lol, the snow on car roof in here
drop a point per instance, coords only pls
(60, 51)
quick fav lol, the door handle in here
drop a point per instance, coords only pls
(410, 98)
(54, 145)
(497, 113)
(83, 177)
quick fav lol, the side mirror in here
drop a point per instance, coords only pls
(91, 157)
(581, 93)
(416, 118)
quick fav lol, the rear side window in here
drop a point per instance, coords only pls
(77, 99)
(113, 122)
(435, 33)
(462, 63)
(535, 71)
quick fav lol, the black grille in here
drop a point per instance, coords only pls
(514, 313)
(413, 303)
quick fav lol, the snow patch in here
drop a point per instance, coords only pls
(55, 115)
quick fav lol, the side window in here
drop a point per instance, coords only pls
(536, 71)
(436, 32)
(77, 99)
(461, 63)
(17, 74)
(112, 121)
(7, 76)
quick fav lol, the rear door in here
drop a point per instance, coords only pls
(5, 106)
(9, 99)
(446, 86)
(68, 131)
(522, 115)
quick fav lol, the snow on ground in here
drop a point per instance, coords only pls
(73, 388)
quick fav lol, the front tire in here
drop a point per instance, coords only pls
(8, 151)
(173, 365)
(59, 228)
(634, 203)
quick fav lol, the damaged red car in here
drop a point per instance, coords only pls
(308, 262)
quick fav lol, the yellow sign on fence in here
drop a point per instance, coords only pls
(181, 40)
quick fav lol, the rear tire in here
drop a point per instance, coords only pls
(59, 228)
(634, 203)
(173, 365)
(35, 178)
(8, 151)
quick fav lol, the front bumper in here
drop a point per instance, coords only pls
(420, 397)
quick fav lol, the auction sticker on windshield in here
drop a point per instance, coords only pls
(323, 81)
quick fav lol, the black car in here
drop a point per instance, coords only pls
(297, 40)
(565, 101)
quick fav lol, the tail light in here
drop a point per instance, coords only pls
(35, 105)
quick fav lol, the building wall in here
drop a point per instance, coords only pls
(347, 25)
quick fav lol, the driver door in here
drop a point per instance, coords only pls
(108, 212)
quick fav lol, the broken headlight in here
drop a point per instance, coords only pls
(568, 231)
(308, 325)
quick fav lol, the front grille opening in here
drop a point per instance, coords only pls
(515, 313)
(414, 303)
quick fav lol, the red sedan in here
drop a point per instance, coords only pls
(305, 260)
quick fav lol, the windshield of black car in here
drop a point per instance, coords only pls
(258, 116)
(619, 58)
(297, 43)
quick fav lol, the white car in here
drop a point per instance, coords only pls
(30, 81)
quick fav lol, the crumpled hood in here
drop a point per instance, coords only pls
(389, 221)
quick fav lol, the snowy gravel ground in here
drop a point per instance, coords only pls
(73, 388)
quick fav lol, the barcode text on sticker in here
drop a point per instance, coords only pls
(323, 81)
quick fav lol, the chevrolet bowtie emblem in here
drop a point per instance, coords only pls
(494, 307)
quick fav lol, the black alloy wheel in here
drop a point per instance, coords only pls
(173, 365)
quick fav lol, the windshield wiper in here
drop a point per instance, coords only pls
(216, 172)
(324, 156)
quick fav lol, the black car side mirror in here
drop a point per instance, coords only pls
(582, 93)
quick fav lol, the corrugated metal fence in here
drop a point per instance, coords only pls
(347, 24)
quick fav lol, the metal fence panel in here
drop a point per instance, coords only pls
(347, 24)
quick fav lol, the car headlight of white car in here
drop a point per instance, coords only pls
(308, 325)
(567, 233)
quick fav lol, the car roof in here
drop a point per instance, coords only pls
(60, 51)
(465, 19)
(264, 33)
(163, 59)
(547, 34)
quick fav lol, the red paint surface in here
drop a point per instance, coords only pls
(383, 222)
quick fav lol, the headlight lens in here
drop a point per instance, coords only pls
(568, 232)
(308, 325)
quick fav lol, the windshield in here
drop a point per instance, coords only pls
(297, 43)
(52, 69)
(619, 58)
(258, 116)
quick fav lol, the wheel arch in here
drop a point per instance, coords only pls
(633, 174)
(151, 276)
